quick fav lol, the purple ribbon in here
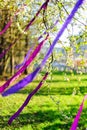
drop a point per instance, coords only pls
(27, 99)
(68, 20)
(15, 88)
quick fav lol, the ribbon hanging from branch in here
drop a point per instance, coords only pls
(19, 72)
(6, 27)
(11, 20)
(44, 6)
(15, 88)
(28, 99)
(27, 55)
(19, 85)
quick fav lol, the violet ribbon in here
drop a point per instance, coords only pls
(27, 100)
(68, 20)
(19, 72)
(22, 83)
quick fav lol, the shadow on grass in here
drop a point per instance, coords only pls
(56, 91)
(62, 80)
(52, 120)
(35, 119)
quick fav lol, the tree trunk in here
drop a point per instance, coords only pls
(26, 46)
(12, 61)
(1, 60)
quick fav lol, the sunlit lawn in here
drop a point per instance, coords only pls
(52, 108)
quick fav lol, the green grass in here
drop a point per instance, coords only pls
(52, 108)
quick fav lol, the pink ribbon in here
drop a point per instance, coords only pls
(6, 27)
(76, 120)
